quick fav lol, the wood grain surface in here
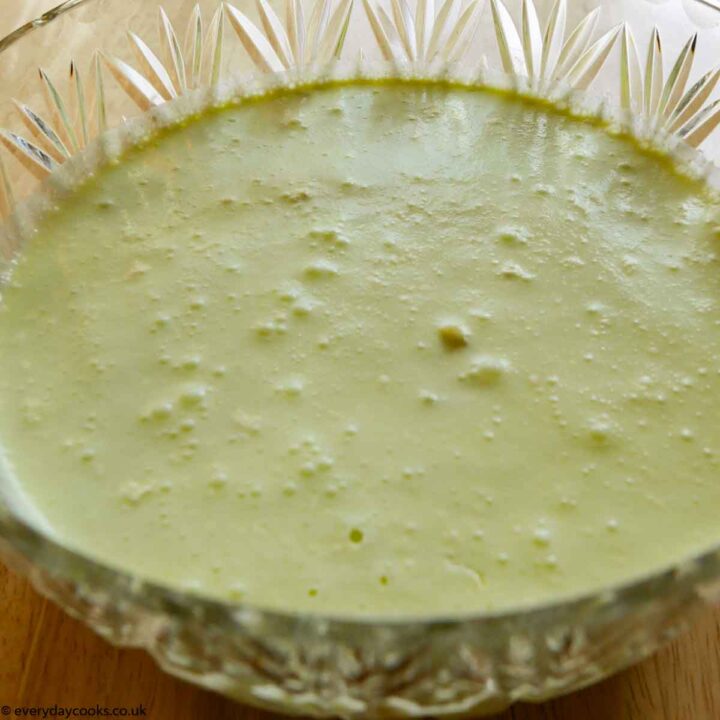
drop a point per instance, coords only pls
(47, 658)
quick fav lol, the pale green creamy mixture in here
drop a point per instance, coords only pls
(373, 348)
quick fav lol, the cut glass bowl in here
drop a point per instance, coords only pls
(88, 67)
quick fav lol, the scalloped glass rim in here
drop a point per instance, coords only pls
(677, 584)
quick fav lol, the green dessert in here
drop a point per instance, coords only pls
(373, 348)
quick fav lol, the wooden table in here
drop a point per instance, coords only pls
(47, 658)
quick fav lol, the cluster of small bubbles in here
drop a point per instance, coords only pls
(237, 591)
(410, 473)
(188, 449)
(572, 261)
(134, 492)
(273, 327)
(32, 412)
(321, 269)
(511, 235)
(87, 454)
(352, 186)
(304, 306)
(675, 265)
(427, 397)
(137, 269)
(289, 295)
(98, 365)
(543, 189)
(247, 424)
(161, 320)
(187, 425)
(317, 466)
(328, 238)
(351, 429)
(601, 431)
(630, 264)
(290, 488)
(481, 314)
(218, 478)
(514, 271)
(158, 413)
(189, 363)
(296, 198)
(130, 235)
(626, 166)
(486, 370)
(193, 395)
(315, 460)
(292, 387)
(595, 308)
(293, 124)
(542, 536)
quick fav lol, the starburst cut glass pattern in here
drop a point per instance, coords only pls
(426, 36)
(659, 104)
(429, 39)
(548, 58)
